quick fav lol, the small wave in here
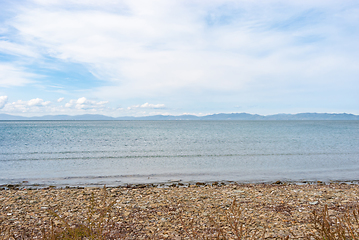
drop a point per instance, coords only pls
(169, 156)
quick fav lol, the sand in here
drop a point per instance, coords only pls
(177, 212)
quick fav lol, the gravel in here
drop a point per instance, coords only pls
(177, 212)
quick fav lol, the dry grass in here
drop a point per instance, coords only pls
(98, 224)
(237, 226)
(341, 227)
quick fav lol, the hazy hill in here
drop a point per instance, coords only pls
(219, 116)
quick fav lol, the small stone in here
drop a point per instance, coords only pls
(238, 191)
(56, 222)
(175, 180)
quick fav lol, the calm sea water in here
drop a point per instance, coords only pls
(120, 152)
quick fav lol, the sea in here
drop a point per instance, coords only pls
(118, 153)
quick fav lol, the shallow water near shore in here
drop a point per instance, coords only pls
(90, 153)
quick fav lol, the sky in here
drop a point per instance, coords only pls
(174, 57)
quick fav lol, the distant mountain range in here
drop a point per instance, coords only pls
(220, 116)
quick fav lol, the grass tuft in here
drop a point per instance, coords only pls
(98, 224)
(329, 227)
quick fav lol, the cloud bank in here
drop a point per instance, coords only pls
(38, 106)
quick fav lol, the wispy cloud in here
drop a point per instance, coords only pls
(13, 75)
(18, 49)
(83, 103)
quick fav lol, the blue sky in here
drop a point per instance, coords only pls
(140, 57)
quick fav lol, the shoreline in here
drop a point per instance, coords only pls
(170, 183)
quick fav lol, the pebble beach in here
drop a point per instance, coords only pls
(194, 211)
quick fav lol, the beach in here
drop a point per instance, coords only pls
(174, 212)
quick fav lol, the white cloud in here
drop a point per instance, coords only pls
(37, 102)
(150, 105)
(32, 105)
(69, 104)
(81, 100)
(84, 103)
(33, 102)
(196, 114)
(3, 101)
(147, 105)
(60, 99)
(38, 106)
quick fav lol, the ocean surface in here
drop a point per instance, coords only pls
(90, 153)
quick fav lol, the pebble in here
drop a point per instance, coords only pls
(238, 191)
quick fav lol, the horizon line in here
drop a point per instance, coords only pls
(180, 115)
